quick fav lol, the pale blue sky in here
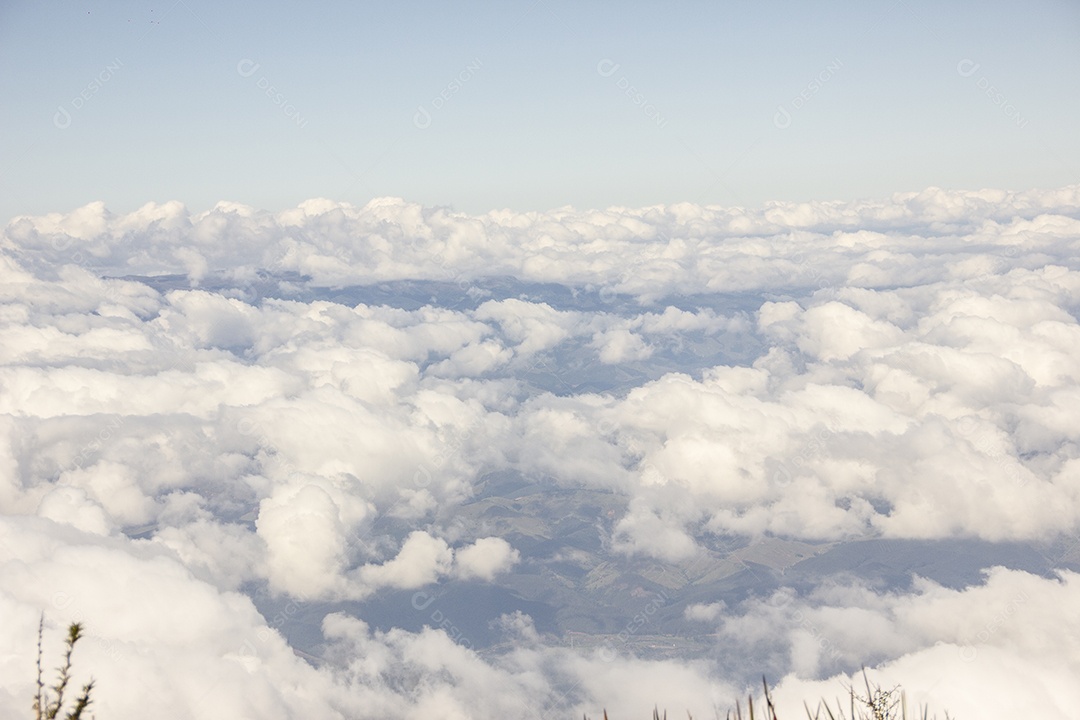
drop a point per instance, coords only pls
(542, 117)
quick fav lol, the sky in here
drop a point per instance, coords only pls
(343, 348)
(530, 105)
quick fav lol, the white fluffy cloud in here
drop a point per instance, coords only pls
(909, 238)
(908, 371)
(979, 651)
(158, 641)
(421, 560)
(305, 541)
(486, 558)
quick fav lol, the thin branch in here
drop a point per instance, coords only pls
(39, 701)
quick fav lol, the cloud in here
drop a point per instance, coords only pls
(641, 251)
(421, 561)
(485, 558)
(619, 346)
(907, 371)
(452, 681)
(72, 506)
(305, 541)
(474, 360)
(834, 331)
(945, 646)
(650, 530)
(160, 638)
(707, 612)
(533, 327)
(157, 640)
(896, 364)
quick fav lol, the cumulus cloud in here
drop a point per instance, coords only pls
(619, 346)
(72, 506)
(452, 681)
(673, 250)
(421, 560)
(947, 647)
(704, 611)
(305, 540)
(183, 418)
(158, 641)
(531, 326)
(486, 558)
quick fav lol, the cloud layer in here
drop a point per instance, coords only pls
(823, 372)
